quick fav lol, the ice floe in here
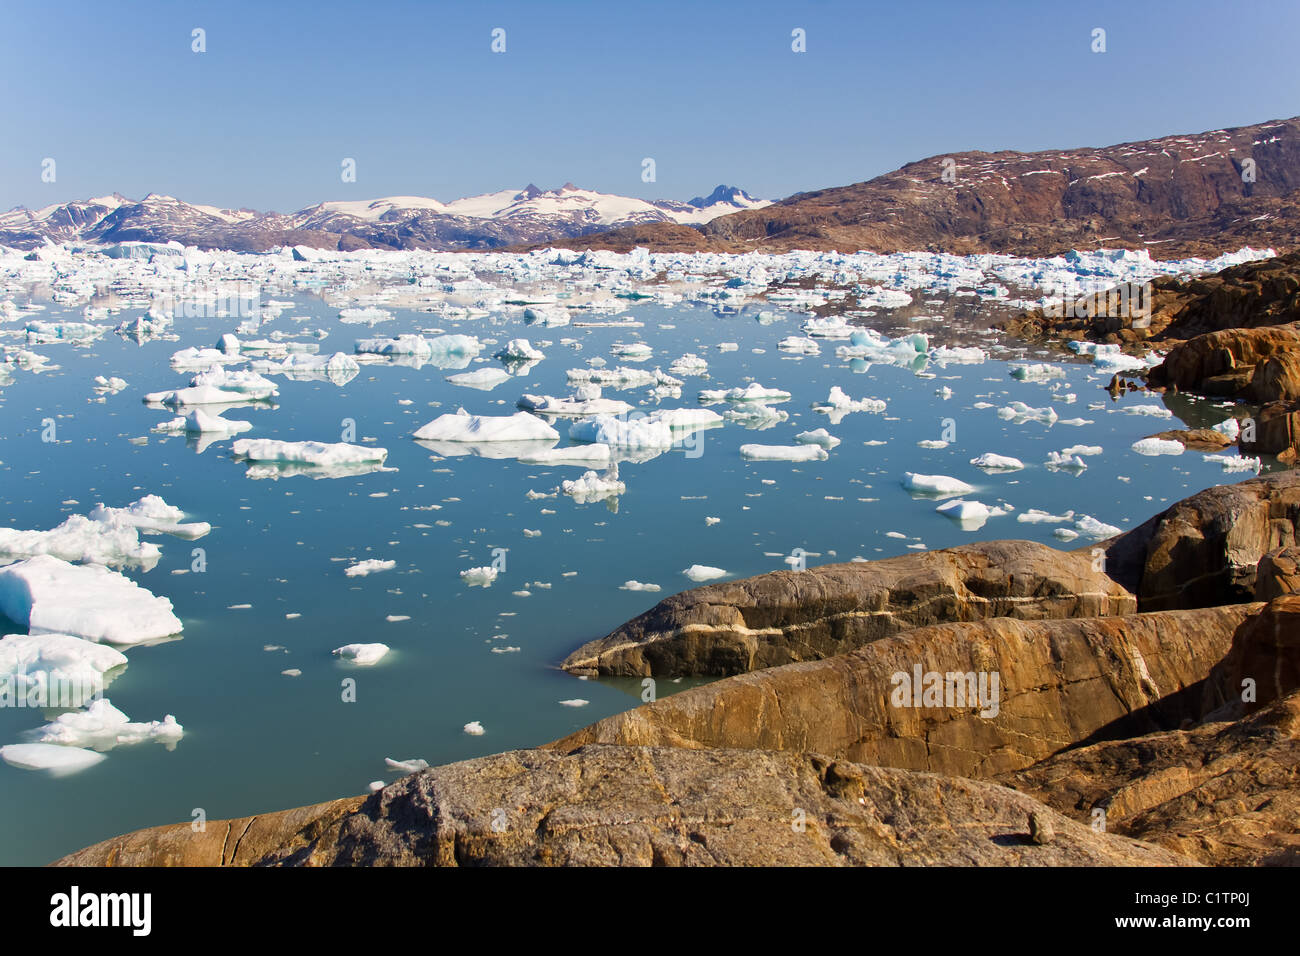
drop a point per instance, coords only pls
(363, 654)
(50, 596)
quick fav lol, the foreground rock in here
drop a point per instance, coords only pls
(632, 806)
(1223, 793)
(788, 616)
(1059, 683)
(1205, 550)
(1263, 664)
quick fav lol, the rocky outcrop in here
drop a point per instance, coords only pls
(1263, 664)
(1225, 794)
(1278, 573)
(240, 842)
(1276, 432)
(788, 616)
(1232, 363)
(1205, 550)
(646, 806)
(1254, 295)
(1059, 682)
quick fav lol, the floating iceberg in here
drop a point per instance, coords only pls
(519, 350)
(1018, 413)
(363, 654)
(55, 664)
(597, 454)
(624, 433)
(101, 726)
(50, 596)
(51, 757)
(818, 436)
(753, 392)
(464, 427)
(593, 487)
(484, 379)
(784, 452)
(991, 462)
(369, 566)
(479, 577)
(315, 453)
(1158, 446)
(702, 572)
(576, 406)
(935, 486)
(1036, 373)
(152, 515)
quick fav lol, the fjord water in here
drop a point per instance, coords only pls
(256, 740)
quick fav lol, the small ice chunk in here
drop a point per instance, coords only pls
(638, 586)
(51, 757)
(702, 572)
(474, 729)
(784, 452)
(818, 436)
(479, 577)
(935, 486)
(1159, 446)
(364, 654)
(368, 566)
(991, 462)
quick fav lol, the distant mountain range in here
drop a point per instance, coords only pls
(494, 220)
(1176, 196)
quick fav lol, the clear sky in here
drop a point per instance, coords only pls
(712, 91)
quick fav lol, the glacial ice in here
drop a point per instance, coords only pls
(479, 577)
(464, 427)
(1159, 446)
(519, 350)
(991, 462)
(702, 572)
(52, 757)
(818, 436)
(101, 726)
(362, 654)
(51, 596)
(308, 456)
(55, 659)
(593, 487)
(784, 452)
(935, 486)
(369, 566)
(484, 379)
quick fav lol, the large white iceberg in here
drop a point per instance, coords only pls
(50, 596)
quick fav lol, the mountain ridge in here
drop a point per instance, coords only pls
(487, 221)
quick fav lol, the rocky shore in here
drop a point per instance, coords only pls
(1144, 714)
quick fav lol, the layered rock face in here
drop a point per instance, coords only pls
(1224, 794)
(789, 616)
(634, 806)
(1059, 683)
(1205, 550)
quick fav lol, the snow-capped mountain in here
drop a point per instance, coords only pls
(489, 221)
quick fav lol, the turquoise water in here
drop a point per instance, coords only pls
(256, 740)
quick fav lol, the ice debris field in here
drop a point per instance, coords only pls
(321, 516)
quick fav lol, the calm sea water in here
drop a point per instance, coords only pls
(256, 740)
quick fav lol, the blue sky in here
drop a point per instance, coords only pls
(711, 91)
